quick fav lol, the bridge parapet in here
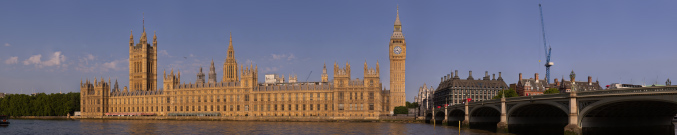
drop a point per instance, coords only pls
(643, 90)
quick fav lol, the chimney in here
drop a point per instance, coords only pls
(493, 77)
(470, 73)
(589, 80)
(536, 76)
(486, 73)
(445, 77)
(441, 79)
(499, 75)
(456, 73)
(520, 79)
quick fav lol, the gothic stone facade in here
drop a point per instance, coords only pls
(240, 94)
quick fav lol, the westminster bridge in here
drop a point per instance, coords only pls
(646, 110)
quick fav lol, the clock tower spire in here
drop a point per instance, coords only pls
(398, 56)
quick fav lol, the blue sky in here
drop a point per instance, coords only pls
(48, 46)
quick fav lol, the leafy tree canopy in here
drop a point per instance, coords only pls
(508, 93)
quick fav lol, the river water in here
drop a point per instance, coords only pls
(23, 126)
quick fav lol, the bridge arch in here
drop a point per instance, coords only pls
(638, 115)
(537, 118)
(439, 117)
(485, 118)
(428, 117)
(455, 115)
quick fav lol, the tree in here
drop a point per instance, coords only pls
(401, 110)
(40, 104)
(508, 93)
(411, 105)
(414, 105)
(551, 91)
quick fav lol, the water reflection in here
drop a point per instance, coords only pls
(93, 126)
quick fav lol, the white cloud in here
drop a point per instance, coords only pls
(56, 59)
(7, 44)
(249, 61)
(270, 69)
(12, 60)
(35, 59)
(164, 53)
(89, 63)
(114, 65)
(289, 56)
(278, 56)
(89, 57)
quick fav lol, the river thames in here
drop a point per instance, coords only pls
(24, 126)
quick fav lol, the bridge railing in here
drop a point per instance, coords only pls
(655, 89)
(630, 90)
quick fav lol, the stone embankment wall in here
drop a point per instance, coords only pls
(40, 117)
(402, 119)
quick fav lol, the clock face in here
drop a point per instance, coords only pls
(397, 50)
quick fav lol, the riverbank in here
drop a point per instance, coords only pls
(391, 119)
(42, 117)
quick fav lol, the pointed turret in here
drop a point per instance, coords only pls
(116, 88)
(325, 77)
(144, 38)
(154, 39)
(131, 38)
(200, 77)
(378, 68)
(212, 73)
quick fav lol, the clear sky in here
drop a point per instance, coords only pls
(48, 46)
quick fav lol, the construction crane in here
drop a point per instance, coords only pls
(311, 72)
(547, 49)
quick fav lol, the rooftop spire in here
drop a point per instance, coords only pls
(397, 19)
(144, 38)
(131, 37)
(143, 23)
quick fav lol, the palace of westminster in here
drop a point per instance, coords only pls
(239, 92)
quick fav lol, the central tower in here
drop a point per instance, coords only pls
(143, 63)
(230, 66)
(398, 57)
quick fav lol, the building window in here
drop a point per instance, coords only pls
(340, 107)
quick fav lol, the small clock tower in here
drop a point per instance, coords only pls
(398, 56)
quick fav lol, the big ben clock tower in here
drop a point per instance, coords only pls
(398, 56)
